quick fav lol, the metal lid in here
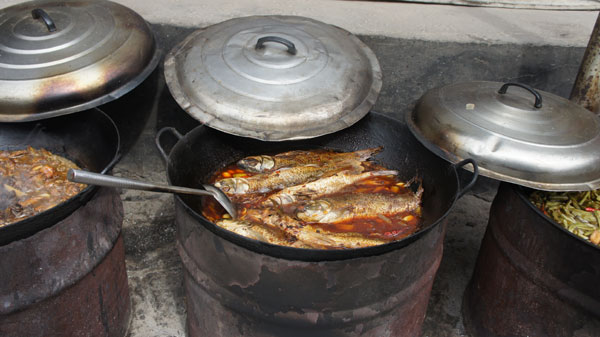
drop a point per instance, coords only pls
(274, 77)
(515, 133)
(59, 57)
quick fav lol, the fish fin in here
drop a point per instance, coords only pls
(385, 173)
(313, 238)
(347, 166)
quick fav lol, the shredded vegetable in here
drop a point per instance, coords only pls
(578, 212)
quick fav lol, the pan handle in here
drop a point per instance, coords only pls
(159, 146)
(473, 180)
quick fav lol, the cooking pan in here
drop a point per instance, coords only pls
(203, 151)
(89, 138)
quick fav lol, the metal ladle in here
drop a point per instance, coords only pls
(90, 178)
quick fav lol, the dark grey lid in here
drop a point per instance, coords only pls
(59, 57)
(554, 146)
(274, 77)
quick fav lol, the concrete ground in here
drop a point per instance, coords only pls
(419, 47)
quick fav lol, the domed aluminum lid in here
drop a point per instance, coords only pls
(515, 133)
(274, 77)
(59, 57)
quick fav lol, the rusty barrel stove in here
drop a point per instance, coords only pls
(232, 290)
(68, 279)
(532, 277)
(63, 270)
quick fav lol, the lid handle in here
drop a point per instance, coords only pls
(39, 13)
(538, 97)
(260, 44)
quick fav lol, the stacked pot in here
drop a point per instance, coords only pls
(61, 62)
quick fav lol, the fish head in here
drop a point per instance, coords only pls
(257, 163)
(314, 211)
(233, 185)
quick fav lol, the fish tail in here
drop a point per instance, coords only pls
(419, 191)
(368, 153)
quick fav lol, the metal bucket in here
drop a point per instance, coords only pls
(532, 277)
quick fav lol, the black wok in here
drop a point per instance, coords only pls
(89, 138)
(203, 151)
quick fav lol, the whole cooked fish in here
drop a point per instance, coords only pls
(321, 187)
(348, 206)
(263, 183)
(259, 232)
(265, 163)
(308, 235)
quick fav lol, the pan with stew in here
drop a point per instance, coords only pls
(90, 140)
(203, 152)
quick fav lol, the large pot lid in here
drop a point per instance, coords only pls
(515, 133)
(274, 77)
(59, 57)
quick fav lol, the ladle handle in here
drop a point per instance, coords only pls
(91, 178)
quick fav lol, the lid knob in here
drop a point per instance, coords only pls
(39, 13)
(260, 44)
(538, 97)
